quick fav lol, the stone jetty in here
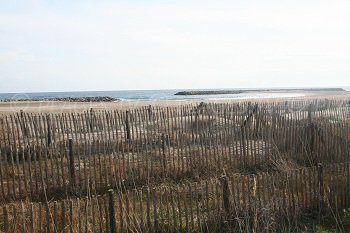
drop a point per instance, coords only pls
(224, 92)
(68, 99)
(208, 92)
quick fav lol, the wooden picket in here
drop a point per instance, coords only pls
(195, 207)
(277, 157)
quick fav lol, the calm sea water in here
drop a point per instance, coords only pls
(139, 95)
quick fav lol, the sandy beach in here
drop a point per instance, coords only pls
(57, 107)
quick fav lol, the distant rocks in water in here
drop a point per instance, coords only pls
(232, 92)
(320, 89)
(68, 99)
(209, 92)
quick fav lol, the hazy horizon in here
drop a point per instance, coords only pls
(346, 88)
(66, 46)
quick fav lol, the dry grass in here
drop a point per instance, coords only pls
(249, 212)
(273, 182)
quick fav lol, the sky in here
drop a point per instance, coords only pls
(184, 44)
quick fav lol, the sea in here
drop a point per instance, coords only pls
(144, 95)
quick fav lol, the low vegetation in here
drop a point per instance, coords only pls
(277, 167)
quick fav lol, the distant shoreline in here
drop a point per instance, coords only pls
(150, 95)
(224, 92)
(79, 107)
(67, 99)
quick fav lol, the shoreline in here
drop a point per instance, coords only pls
(7, 108)
(224, 92)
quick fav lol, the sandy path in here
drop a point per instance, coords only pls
(58, 107)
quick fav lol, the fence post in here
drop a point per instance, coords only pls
(274, 116)
(6, 219)
(112, 223)
(71, 163)
(197, 123)
(127, 125)
(163, 152)
(286, 107)
(320, 188)
(24, 129)
(148, 211)
(243, 144)
(48, 130)
(227, 195)
(149, 110)
(309, 114)
(257, 119)
(91, 119)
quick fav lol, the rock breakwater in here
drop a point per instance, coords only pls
(67, 99)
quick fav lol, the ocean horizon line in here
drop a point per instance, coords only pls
(347, 88)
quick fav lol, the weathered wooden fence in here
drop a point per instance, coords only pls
(92, 151)
(240, 201)
(59, 157)
(95, 165)
(139, 125)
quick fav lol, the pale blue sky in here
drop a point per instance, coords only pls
(121, 45)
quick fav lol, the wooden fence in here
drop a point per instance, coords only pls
(252, 203)
(278, 159)
(139, 125)
(187, 142)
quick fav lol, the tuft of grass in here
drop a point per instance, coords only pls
(322, 229)
(255, 169)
